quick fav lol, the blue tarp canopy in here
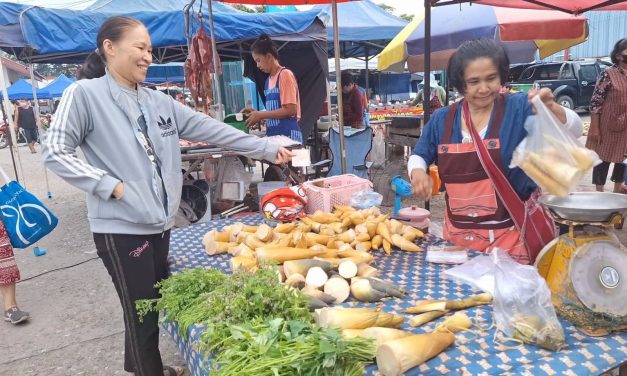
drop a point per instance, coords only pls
(114, 6)
(10, 32)
(22, 90)
(55, 88)
(46, 31)
(365, 28)
(166, 73)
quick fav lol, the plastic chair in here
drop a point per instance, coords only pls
(357, 145)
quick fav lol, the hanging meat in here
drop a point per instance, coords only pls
(198, 69)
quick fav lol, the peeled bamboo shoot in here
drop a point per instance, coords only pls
(243, 263)
(264, 233)
(404, 244)
(377, 241)
(398, 356)
(282, 254)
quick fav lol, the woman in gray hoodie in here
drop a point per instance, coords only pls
(132, 170)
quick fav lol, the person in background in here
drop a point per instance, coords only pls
(353, 103)
(475, 216)
(25, 119)
(129, 136)
(437, 95)
(180, 97)
(9, 276)
(608, 127)
(282, 99)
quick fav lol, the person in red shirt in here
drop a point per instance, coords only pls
(352, 102)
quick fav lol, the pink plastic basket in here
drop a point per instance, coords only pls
(323, 194)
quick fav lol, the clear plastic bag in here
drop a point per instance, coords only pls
(366, 199)
(377, 155)
(478, 273)
(522, 304)
(550, 155)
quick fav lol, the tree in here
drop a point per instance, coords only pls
(55, 70)
(387, 8)
(407, 17)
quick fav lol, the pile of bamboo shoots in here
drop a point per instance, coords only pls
(558, 166)
(397, 350)
(326, 255)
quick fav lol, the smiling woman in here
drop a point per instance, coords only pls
(130, 138)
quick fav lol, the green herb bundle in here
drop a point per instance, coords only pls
(182, 292)
(279, 347)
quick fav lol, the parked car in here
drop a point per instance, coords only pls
(572, 82)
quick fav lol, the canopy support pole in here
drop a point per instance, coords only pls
(38, 121)
(367, 73)
(427, 78)
(338, 80)
(7, 110)
(216, 75)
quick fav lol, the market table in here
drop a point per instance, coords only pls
(472, 354)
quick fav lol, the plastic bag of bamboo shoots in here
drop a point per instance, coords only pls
(522, 306)
(550, 154)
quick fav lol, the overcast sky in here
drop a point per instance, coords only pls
(401, 6)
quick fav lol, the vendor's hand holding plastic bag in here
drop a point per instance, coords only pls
(550, 155)
(522, 304)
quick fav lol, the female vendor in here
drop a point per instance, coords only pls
(281, 90)
(475, 217)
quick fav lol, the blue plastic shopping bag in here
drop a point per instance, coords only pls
(26, 219)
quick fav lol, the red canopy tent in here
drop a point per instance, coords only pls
(568, 6)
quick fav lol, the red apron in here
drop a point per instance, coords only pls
(475, 217)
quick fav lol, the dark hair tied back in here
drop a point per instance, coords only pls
(113, 29)
(263, 46)
(619, 47)
(472, 50)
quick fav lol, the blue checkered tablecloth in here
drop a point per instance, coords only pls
(472, 354)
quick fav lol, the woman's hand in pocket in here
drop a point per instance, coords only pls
(118, 191)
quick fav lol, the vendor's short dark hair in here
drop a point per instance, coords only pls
(347, 78)
(263, 46)
(472, 50)
(619, 47)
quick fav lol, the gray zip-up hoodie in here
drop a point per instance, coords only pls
(92, 116)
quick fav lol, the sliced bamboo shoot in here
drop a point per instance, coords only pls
(316, 277)
(314, 292)
(303, 266)
(337, 287)
(347, 269)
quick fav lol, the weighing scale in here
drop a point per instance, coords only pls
(586, 268)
